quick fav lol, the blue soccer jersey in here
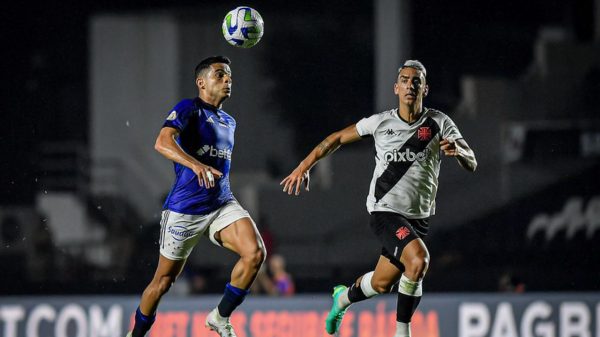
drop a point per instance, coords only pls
(206, 133)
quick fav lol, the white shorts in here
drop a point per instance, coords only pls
(179, 233)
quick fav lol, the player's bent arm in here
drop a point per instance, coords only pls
(330, 145)
(167, 146)
(465, 155)
(292, 182)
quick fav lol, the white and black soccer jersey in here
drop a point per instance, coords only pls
(407, 161)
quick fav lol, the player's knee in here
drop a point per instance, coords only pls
(381, 286)
(261, 256)
(416, 267)
(256, 257)
(159, 286)
(164, 284)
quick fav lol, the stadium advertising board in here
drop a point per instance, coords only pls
(456, 315)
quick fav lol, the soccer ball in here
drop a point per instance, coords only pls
(243, 27)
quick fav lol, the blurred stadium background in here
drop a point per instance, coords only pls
(87, 86)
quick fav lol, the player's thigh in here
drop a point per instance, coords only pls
(415, 250)
(234, 229)
(180, 233)
(386, 273)
(395, 232)
(241, 237)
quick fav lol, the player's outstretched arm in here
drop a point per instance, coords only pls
(460, 149)
(168, 147)
(301, 174)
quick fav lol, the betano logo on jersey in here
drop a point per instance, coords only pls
(215, 152)
(406, 155)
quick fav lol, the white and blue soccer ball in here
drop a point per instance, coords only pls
(243, 27)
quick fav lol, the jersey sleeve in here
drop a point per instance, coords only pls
(450, 130)
(367, 125)
(179, 117)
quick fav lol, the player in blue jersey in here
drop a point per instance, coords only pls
(198, 137)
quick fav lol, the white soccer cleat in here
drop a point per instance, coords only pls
(219, 324)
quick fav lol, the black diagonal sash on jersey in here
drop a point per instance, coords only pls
(396, 169)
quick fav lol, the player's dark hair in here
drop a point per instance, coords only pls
(205, 64)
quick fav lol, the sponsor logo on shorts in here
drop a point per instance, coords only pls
(402, 233)
(179, 233)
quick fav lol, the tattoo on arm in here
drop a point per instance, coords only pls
(324, 146)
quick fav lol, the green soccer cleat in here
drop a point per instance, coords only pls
(334, 318)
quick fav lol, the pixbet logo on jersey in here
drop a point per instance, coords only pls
(406, 155)
(215, 152)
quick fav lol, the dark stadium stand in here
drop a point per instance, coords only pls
(474, 256)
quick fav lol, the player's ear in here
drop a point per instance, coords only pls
(200, 82)
(425, 90)
(396, 88)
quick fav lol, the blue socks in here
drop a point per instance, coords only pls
(232, 298)
(143, 323)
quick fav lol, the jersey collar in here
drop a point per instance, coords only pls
(205, 105)
(423, 112)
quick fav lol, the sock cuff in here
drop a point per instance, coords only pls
(144, 318)
(365, 285)
(410, 288)
(237, 291)
(234, 294)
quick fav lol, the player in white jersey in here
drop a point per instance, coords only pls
(408, 142)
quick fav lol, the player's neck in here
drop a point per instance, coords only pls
(213, 101)
(410, 113)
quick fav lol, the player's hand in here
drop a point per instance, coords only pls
(291, 184)
(207, 175)
(448, 146)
